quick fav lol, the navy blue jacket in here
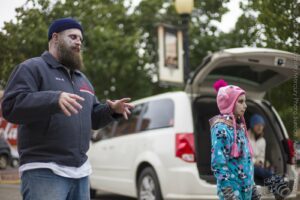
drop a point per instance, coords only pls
(45, 133)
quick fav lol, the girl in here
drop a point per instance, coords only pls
(231, 150)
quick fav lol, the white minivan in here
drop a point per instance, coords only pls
(163, 150)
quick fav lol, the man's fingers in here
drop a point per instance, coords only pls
(109, 101)
(77, 97)
(65, 110)
(127, 111)
(125, 115)
(125, 100)
(75, 103)
(68, 103)
(70, 107)
(129, 105)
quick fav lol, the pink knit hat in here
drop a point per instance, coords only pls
(226, 100)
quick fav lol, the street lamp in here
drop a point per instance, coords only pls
(184, 8)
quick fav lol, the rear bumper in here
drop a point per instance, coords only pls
(185, 183)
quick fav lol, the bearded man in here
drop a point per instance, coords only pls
(55, 106)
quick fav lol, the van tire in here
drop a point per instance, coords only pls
(3, 161)
(148, 185)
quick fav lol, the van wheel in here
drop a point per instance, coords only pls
(15, 162)
(3, 161)
(148, 185)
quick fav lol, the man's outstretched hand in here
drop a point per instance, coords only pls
(121, 106)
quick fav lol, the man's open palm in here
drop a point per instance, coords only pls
(121, 106)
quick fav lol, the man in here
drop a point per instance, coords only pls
(55, 105)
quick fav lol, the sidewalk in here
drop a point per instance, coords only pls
(10, 192)
(9, 176)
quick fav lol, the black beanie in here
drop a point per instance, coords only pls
(62, 24)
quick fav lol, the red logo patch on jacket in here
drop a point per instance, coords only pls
(86, 88)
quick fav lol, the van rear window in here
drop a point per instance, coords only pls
(244, 72)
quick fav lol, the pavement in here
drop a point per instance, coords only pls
(12, 192)
(10, 187)
(9, 176)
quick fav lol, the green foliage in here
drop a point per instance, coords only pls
(120, 42)
(273, 24)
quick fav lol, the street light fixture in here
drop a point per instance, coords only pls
(184, 8)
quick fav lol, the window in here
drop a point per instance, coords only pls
(245, 72)
(129, 126)
(158, 114)
(103, 133)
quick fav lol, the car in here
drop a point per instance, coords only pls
(8, 142)
(163, 151)
(5, 154)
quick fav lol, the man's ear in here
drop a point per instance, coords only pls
(55, 37)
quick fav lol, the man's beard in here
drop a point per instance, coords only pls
(69, 57)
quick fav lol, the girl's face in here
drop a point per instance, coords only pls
(258, 129)
(240, 106)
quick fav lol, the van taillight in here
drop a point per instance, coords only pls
(290, 151)
(185, 147)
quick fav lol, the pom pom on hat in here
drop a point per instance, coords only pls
(219, 83)
(62, 24)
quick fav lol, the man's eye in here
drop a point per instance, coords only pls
(74, 37)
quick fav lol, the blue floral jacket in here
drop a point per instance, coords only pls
(235, 173)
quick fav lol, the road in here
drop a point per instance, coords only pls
(10, 187)
(12, 192)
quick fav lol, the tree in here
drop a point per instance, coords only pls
(273, 24)
(120, 44)
(109, 47)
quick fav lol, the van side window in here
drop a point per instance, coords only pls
(158, 114)
(103, 133)
(124, 126)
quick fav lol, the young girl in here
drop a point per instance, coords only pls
(231, 150)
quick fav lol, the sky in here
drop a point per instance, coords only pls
(7, 13)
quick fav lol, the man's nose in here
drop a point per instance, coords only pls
(78, 43)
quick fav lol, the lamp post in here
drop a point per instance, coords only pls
(184, 8)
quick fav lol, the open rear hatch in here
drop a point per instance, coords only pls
(256, 70)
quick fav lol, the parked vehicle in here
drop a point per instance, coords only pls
(163, 150)
(8, 142)
(5, 154)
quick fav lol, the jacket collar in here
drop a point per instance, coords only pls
(50, 60)
(226, 119)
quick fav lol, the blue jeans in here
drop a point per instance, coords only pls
(43, 184)
(261, 174)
